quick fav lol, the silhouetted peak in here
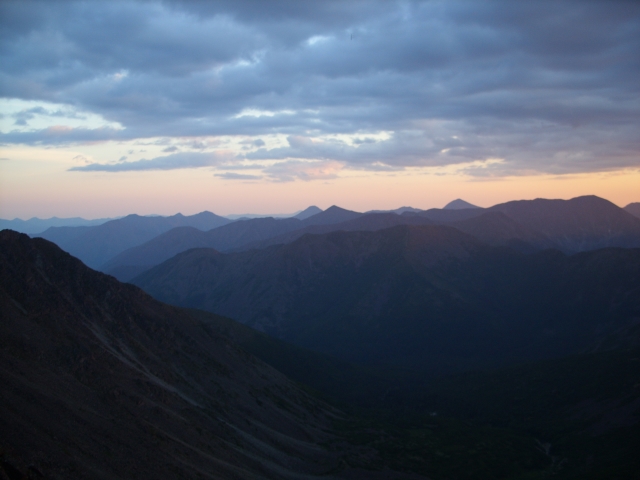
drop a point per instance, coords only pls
(205, 213)
(335, 208)
(576, 204)
(333, 214)
(458, 204)
(633, 209)
(308, 212)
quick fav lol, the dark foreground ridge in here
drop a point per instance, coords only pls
(101, 381)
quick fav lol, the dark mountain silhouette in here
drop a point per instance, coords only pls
(415, 296)
(83, 361)
(100, 380)
(239, 235)
(399, 211)
(307, 212)
(245, 231)
(444, 217)
(580, 224)
(135, 260)
(95, 245)
(367, 222)
(576, 225)
(458, 204)
(138, 259)
(495, 228)
(37, 225)
(633, 209)
(331, 215)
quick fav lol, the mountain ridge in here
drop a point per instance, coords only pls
(100, 378)
(95, 245)
(458, 204)
(36, 225)
(633, 209)
(579, 224)
(238, 235)
(384, 296)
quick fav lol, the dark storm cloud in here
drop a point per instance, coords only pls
(546, 86)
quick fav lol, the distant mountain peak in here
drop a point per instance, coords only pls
(398, 211)
(307, 212)
(458, 204)
(335, 208)
(633, 209)
(333, 214)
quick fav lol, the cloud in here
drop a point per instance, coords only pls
(23, 116)
(302, 170)
(548, 87)
(169, 162)
(81, 159)
(64, 135)
(237, 176)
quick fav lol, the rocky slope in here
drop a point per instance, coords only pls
(101, 381)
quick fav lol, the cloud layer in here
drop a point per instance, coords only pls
(543, 86)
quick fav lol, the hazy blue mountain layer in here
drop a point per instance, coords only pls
(135, 260)
(583, 223)
(96, 245)
(239, 235)
(307, 212)
(132, 245)
(37, 225)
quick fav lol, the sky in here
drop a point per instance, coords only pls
(257, 106)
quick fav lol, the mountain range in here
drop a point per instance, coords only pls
(469, 343)
(99, 379)
(301, 215)
(244, 235)
(580, 224)
(412, 295)
(237, 235)
(95, 245)
(576, 225)
(36, 225)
